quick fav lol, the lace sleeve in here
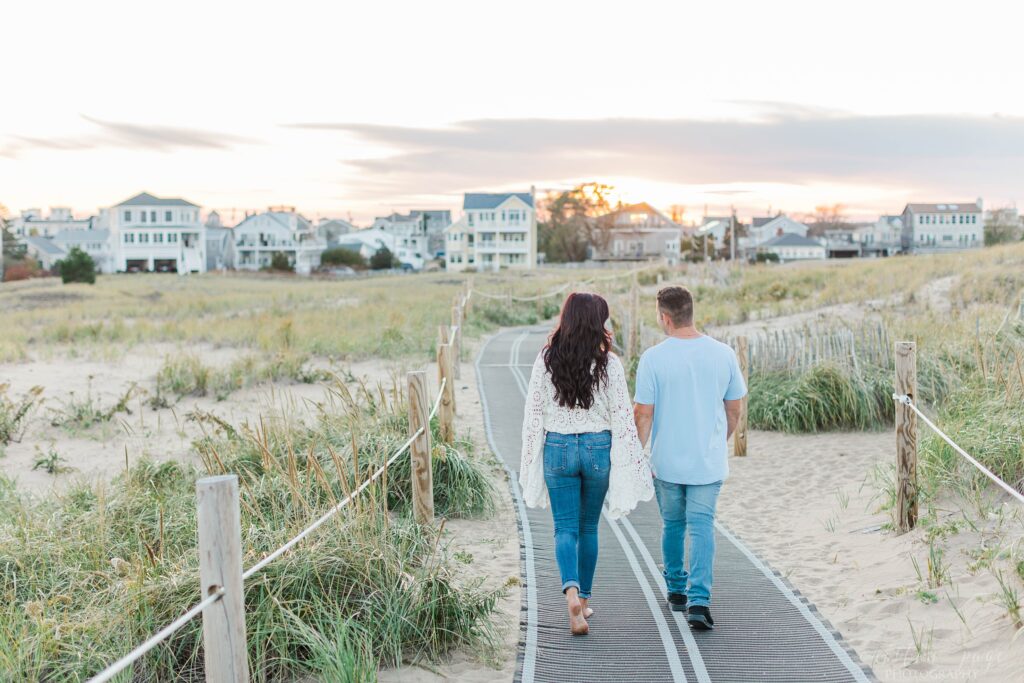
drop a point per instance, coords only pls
(630, 479)
(531, 470)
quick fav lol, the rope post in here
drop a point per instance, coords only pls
(446, 409)
(220, 566)
(906, 437)
(1020, 308)
(419, 452)
(456, 338)
(739, 439)
(632, 340)
(467, 297)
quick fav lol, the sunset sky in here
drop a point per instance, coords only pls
(362, 108)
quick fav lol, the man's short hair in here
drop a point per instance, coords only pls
(677, 304)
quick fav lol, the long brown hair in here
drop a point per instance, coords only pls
(576, 356)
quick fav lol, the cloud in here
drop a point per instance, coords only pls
(956, 154)
(126, 135)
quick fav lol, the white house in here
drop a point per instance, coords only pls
(495, 231)
(779, 225)
(942, 227)
(790, 246)
(95, 243)
(330, 230)
(637, 232)
(157, 234)
(32, 223)
(43, 250)
(418, 235)
(367, 242)
(277, 230)
(881, 238)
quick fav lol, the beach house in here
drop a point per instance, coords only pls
(637, 232)
(790, 246)
(417, 235)
(278, 230)
(162, 234)
(496, 230)
(942, 227)
(32, 223)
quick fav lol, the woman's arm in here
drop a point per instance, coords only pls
(621, 408)
(533, 418)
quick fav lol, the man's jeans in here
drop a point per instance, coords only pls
(686, 507)
(576, 468)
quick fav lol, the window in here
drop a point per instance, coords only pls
(143, 214)
(129, 237)
(167, 216)
(469, 218)
(144, 237)
(947, 238)
(158, 237)
(172, 237)
(127, 215)
(152, 216)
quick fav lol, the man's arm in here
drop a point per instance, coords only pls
(643, 415)
(732, 414)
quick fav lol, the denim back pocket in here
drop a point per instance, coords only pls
(599, 448)
(555, 457)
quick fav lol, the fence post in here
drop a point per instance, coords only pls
(220, 566)
(739, 439)
(906, 438)
(446, 410)
(1020, 308)
(632, 341)
(419, 453)
(456, 339)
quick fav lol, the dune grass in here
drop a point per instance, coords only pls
(87, 575)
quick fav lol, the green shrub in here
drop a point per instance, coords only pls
(77, 266)
(383, 259)
(339, 256)
(279, 262)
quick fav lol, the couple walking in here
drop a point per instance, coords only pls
(583, 444)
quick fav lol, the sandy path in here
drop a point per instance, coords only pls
(808, 506)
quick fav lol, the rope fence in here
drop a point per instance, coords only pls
(221, 578)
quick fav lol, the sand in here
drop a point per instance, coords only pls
(808, 505)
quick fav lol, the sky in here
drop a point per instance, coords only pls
(348, 109)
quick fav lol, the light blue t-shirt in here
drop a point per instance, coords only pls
(687, 380)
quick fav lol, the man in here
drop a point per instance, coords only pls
(687, 402)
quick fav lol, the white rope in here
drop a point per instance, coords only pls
(905, 400)
(158, 637)
(154, 640)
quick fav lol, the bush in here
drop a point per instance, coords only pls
(279, 262)
(383, 259)
(16, 269)
(339, 256)
(766, 257)
(77, 267)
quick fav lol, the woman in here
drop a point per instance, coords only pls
(580, 443)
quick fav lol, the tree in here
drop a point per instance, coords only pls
(570, 224)
(383, 259)
(279, 262)
(339, 256)
(825, 218)
(1001, 226)
(77, 266)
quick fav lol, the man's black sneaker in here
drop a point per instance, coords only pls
(677, 602)
(699, 617)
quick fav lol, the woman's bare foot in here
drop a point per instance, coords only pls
(587, 612)
(577, 622)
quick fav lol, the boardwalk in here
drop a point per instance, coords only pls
(764, 631)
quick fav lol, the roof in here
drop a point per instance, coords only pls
(943, 208)
(477, 200)
(781, 218)
(45, 245)
(791, 239)
(79, 236)
(146, 199)
(758, 221)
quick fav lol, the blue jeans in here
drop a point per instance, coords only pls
(688, 507)
(576, 468)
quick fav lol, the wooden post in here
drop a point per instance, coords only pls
(906, 438)
(739, 439)
(632, 341)
(220, 566)
(446, 411)
(419, 453)
(444, 334)
(456, 339)
(1020, 308)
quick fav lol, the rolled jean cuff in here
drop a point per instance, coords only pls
(571, 584)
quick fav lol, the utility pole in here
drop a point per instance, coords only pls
(732, 234)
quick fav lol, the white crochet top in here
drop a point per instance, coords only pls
(630, 477)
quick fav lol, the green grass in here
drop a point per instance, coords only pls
(86, 576)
